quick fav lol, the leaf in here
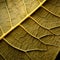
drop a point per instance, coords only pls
(1, 58)
(56, 30)
(12, 13)
(46, 19)
(50, 54)
(29, 30)
(21, 40)
(52, 40)
(0, 32)
(53, 6)
(34, 29)
(9, 53)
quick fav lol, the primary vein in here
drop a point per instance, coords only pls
(21, 21)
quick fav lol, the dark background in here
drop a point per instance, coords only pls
(58, 56)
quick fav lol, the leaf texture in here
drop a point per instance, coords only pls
(12, 13)
(34, 28)
(29, 29)
(23, 41)
(46, 19)
(53, 6)
(9, 53)
(1, 58)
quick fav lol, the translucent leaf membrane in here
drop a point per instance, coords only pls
(41, 33)
(50, 54)
(51, 40)
(35, 29)
(10, 53)
(29, 33)
(31, 5)
(13, 12)
(1, 0)
(17, 10)
(1, 58)
(46, 19)
(56, 30)
(53, 6)
(4, 17)
(21, 40)
(0, 32)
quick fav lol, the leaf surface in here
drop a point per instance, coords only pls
(46, 19)
(12, 13)
(10, 53)
(53, 6)
(34, 28)
(29, 29)
(23, 41)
